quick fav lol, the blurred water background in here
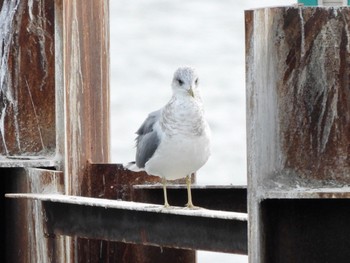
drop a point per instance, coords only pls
(149, 40)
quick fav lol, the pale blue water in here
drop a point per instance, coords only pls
(149, 40)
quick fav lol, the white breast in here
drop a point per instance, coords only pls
(179, 155)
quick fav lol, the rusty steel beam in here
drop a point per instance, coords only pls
(112, 181)
(145, 224)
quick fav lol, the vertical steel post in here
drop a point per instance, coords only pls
(82, 88)
(298, 125)
(27, 126)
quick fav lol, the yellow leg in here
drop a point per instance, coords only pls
(189, 194)
(166, 204)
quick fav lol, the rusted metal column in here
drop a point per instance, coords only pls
(27, 127)
(298, 125)
(27, 80)
(82, 29)
(82, 88)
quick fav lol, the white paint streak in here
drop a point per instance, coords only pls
(30, 9)
(38, 248)
(2, 127)
(75, 86)
(302, 30)
(37, 26)
(331, 116)
(7, 14)
(7, 85)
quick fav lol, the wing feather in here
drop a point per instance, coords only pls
(147, 140)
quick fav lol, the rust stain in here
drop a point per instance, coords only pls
(143, 234)
(249, 16)
(86, 69)
(313, 94)
(113, 181)
(27, 93)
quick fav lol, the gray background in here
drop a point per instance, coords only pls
(149, 40)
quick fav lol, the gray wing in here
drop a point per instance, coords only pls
(147, 140)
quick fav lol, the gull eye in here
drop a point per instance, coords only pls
(180, 82)
(196, 81)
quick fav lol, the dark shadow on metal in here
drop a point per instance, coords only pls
(147, 228)
(306, 230)
(218, 197)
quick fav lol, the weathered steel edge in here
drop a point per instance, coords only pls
(22, 162)
(317, 193)
(127, 205)
(145, 224)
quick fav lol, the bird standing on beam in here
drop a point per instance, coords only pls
(174, 141)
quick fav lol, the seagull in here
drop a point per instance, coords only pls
(174, 141)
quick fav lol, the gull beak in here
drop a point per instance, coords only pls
(190, 92)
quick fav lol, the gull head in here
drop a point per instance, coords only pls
(185, 82)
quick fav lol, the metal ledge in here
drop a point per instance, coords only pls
(141, 223)
(27, 161)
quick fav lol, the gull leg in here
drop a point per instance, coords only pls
(189, 194)
(166, 204)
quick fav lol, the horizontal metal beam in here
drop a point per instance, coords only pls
(146, 224)
(28, 161)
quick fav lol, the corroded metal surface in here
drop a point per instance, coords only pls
(23, 239)
(112, 181)
(143, 223)
(149, 228)
(82, 72)
(27, 80)
(85, 61)
(298, 97)
(315, 113)
(298, 110)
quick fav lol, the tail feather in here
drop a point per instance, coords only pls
(133, 167)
